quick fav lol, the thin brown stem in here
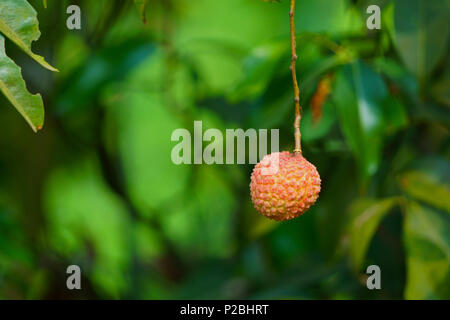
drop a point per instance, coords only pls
(297, 134)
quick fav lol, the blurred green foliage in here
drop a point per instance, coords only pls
(96, 187)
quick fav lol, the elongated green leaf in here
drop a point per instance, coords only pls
(259, 68)
(399, 75)
(13, 87)
(427, 242)
(424, 187)
(366, 113)
(427, 179)
(19, 23)
(359, 95)
(102, 68)
(421, 33)
(142, 6)
(440, 89)
(366, 216)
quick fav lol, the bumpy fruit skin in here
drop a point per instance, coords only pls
(288, 192)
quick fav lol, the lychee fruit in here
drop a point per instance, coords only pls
(284, 186)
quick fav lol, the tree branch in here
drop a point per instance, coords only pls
(297, 134)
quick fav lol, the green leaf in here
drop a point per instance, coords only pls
(332, 213)
(13, 87)
(394, 71)
(293, 239)
(260, 226)
(259, 69)
(366, 114)
(441, 88)
(87, 221)
(44, 2)
(16, 255)
(366, 215)
(360, 94)
(142, 6)
(19, 23)
(152, 178)
(312, 130)
(276, 106)
(13, 246)
(394, 114)
(427, 242)
(425, 187)
(421, 33)
(190, 225)
(108, 65)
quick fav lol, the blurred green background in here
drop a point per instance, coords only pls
(96, 186)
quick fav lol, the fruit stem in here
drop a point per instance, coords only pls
(297, 134)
